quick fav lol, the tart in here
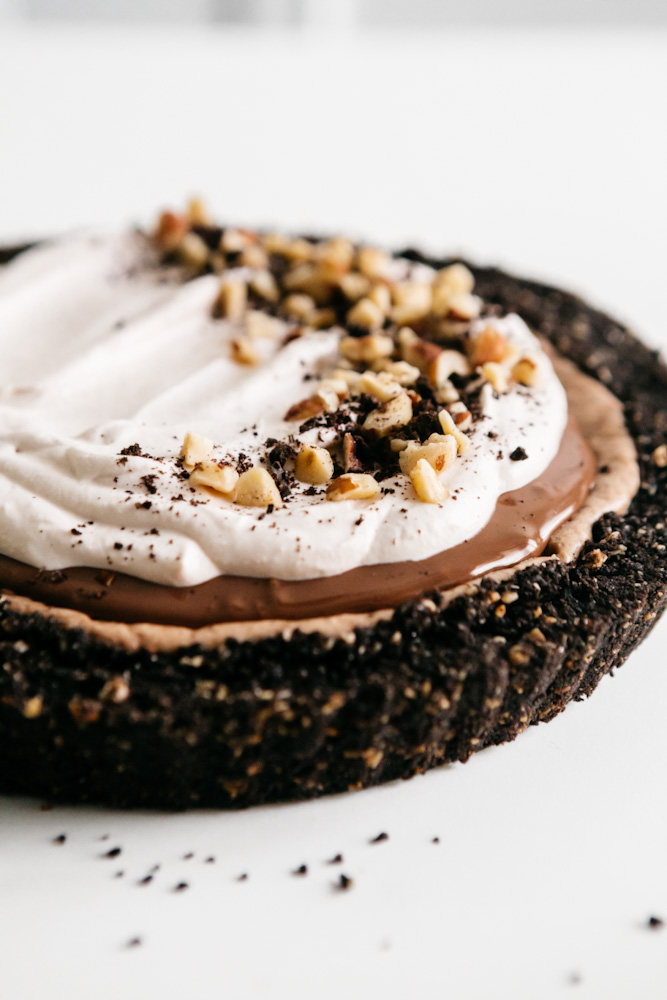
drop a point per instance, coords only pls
(290, 516)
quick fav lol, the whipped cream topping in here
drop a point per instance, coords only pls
(100, 351)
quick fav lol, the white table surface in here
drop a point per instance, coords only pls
(544, 152)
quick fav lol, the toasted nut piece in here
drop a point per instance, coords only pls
(198, 213)
(233, 241)
(222, 478)
(354, 286)
(659, 456)
(299, 305)
(404, 373)
(456, 277)
(416, 351)
(461, 415)
(193, 251)
(447, 363)
(232, 299)
(366, 313)
(196, 449)
(259, 326)
(373, 263)
(305, 409)
(496, 375)
(275, 243)
(336, 383)
(348, 376)
(254, 256)
(426, 484)
(353, 486)
(379, 384)
(446, 393)
(381, 296)
(264, 284)
(310, 279)
(397, 412)
(464, 306)
(489, 345)
(170, 230)
(412, 301)
(399, 444)
(449, 427)
(350, 461)
(243, 351)
(256, 488)
(300, 250)
(526, 372)
(337, 253)
(366, 349)
(439, 454)
(313, 465)
(321, 319)
(329, 397)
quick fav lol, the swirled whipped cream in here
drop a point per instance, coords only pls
(107, 363)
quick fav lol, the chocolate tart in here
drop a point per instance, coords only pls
(265, 713)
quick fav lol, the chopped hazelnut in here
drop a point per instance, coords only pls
(455, 277)
(305, 409)
(366, 349)
(329, 395)
(170, 231)
(496, 375)
(659, 456)
(366, 313)
(373, 263)
(415, 350)
(259, 326)
(196, 449)
(299, 250)
(313, 465)
(379, 384)
(354, 286)
(256, 488)
(488, 345)
(243, 352)
(233, 241)
(404, 373)
(264, 284)
(464, 306)
(397, 412)
(439, 453)
(353, 486)
(412, 301)
(381, 296)
(321, 319)
(445, 364)
(299, 305)
(193, 251)
(426, 484)
(198, 213)
(449, 427)
(254, 256)
(337, 253)
(232, 299)
(526, 372)
(221, 478)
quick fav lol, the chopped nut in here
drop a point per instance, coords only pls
(464, 306)
(659, 456)
(353, 486)
(275, 243)
(379, 384)
(366, 349)
(299, 305)
(305, 409)
(116, 689)
(456, 277)
(313, 465)
(232, 299)
(439, 453)
(496, 375)
(329, 396)
(254, 256)
(321, 319)
(354, 286)
(299, 249)
(256, 488)
(259, 326)
(412, 301)
(381, 296)
(264, 284)
(397, 412)
(221, 478)
(196, 449)
(193, 251)
(311, 280)
(350, 461)
(461, 415)
(243, 351)
(337, 253)
(233, 241)
(445, 364)
(198, 213)
(170, 231)
(489, 345)
(32, 708)
(449, 427)
(373, 263)
(336, 383)
(402, 372)
(366, 313)
(426, 484)
(526, 372)
(416, 351)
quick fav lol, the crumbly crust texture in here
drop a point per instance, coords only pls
(293, 717)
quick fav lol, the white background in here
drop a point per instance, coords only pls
(542, 151)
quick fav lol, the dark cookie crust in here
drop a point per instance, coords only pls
(258, 722)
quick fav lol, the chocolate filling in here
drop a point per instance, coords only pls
(521, 526)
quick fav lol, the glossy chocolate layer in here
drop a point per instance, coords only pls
(521, 526)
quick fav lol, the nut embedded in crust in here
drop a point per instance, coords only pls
(256, 488)
(397, 412)
(313, 465)
(196, 449)
(353, 486)
(221, 478)
(426, 484)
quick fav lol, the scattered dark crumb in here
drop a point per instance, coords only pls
(436, 840)
(655, 923)
(132, 449)
(242, 878)
(46, 807)
(301, 870)
(380, 837)
(149, 482)
(604, 469)
(75, 531)
(146, 505)
(60, 839)
(146, 880)
(105, 836)
(134, 942)
(113, 853)
(336, 860)
(190, 854)
(210, 861)
(345, 882)
(518, 455)
(119, 874)
(574, 979)
(181, 886)
(155, 868)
